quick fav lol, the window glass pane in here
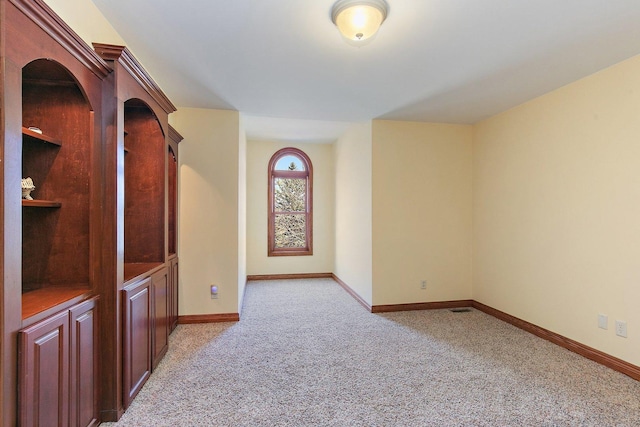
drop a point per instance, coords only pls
(290, 194)
(289, 163)
(290, 231)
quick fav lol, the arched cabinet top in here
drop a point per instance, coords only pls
(48, 72)
(140, 104)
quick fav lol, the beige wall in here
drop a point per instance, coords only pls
(212, 200)
(210, 208)
(422, 196)
(242, 215)
(86, 19)
(557, 208)
(258, 155)
(352, 157)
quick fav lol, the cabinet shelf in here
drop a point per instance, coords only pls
(40, 204)
(135, 269)
(40, 137)
(40, 300)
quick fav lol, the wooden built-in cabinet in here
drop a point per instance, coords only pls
(137, 171)
(172, 220)
(172, 190)
(51, 100)
(146, 329)
(57, 369)
(89, 266)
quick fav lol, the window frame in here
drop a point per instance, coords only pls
(272, 175)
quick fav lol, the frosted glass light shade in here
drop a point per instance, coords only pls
(359, 20)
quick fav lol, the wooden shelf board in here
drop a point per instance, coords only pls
(40, 137)
(40, 204)
(39, 300)
(135, 269)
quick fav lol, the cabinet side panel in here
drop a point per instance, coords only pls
(11, 289)
(173, 311)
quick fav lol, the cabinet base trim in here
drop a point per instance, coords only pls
(111, 415)
(208, 318)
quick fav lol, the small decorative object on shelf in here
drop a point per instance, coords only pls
(35, 129)
(27, 188)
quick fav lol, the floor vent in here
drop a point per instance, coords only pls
(460, 310)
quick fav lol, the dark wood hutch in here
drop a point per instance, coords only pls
(172, 224)
(89, 266)
(136, 294)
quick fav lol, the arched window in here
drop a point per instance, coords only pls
(290, 203)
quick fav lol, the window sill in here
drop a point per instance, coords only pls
(290, 252)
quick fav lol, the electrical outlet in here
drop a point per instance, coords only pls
(423, 284)
(214, 292)
(621, 328)
(603, 321)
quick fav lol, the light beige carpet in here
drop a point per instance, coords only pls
(306, 354)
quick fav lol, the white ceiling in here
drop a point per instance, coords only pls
(455, 61)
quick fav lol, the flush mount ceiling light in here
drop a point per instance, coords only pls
(359, 20)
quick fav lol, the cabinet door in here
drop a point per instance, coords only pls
(43, 372)
(173, 295)
(160, 316)
(136, 338)
(83, 329)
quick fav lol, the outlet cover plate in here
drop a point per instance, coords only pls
(603, 321)
(621, 328)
